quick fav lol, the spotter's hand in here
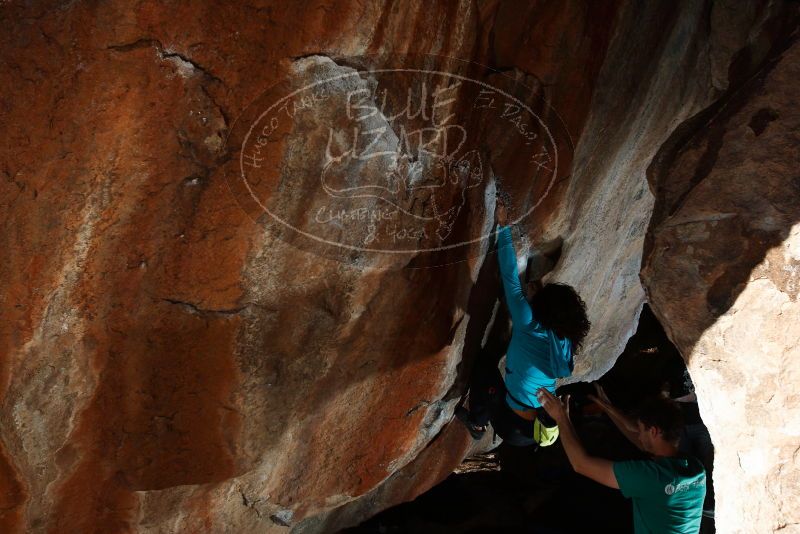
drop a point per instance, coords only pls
(556, 408)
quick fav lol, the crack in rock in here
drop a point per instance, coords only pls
(196, 310)
(185, 65)
(251, 503)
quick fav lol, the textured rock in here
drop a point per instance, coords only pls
(172, 361)
(722, 271)
(632, 116)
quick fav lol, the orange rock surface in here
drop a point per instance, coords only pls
(171, 362)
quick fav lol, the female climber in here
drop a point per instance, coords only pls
(547, 330)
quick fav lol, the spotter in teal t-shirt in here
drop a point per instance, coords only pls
(667, 493)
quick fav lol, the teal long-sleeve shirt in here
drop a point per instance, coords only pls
(535, 356)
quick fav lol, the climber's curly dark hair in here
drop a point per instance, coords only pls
(560, 308)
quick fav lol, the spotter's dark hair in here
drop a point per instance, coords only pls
(662, 413)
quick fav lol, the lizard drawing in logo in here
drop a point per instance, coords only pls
(431, 188)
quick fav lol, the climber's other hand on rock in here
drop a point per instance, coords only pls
(556, 408)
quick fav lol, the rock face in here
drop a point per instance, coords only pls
(173, 358)
(722, 269)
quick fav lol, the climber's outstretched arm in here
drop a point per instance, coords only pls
(518, 305)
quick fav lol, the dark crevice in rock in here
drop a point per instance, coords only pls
(193, 63)
(310, 55)
(251, 503)
(761, 120)
(354, 62)
(162, 53)
(281, 519)
(417, 407)
(542, 259)
(195, 309)
(480, 306)
(134, 45)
